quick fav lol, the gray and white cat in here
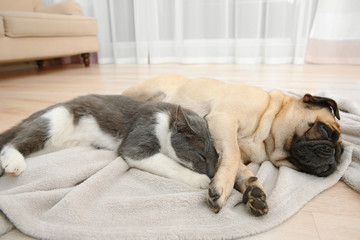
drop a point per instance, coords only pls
(160, 138)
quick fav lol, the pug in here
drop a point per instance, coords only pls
(248, 124)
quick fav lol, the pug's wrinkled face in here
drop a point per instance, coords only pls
(318, 150)
(318, 155)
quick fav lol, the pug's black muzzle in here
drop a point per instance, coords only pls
(317, 157)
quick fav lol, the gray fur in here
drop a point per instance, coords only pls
(29, 136)
(130, 121)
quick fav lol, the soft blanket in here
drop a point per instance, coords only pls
(83, 193)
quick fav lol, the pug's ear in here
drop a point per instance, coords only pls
(322, 102)
(181, 123)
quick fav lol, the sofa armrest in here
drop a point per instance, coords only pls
(67, 7)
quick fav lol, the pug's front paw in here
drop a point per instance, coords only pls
(218, 193)
(255, 199)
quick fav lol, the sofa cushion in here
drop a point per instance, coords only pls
(30, 24)
(2, 31)
(36, 48)
(20, 5)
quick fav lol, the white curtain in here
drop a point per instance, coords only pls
(202, 31)
(335, 35)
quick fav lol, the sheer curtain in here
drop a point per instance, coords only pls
(335, 35)
(201, 31)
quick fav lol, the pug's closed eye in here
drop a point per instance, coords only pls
(327, 132)
(324, 130)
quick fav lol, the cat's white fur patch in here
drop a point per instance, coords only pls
(163, 134)
(63, 133)
(162, 165)
(12, 161)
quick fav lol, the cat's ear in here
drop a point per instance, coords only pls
(181, 123)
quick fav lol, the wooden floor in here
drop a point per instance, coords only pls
(334, 214)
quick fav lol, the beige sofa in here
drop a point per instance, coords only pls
(30, 31)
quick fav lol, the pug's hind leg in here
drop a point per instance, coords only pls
(254, 196)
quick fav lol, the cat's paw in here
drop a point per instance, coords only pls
(201, 181)
(12, 161)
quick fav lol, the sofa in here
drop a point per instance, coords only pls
(30, 31)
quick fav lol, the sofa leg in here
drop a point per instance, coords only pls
(86, 59)
(40, 63)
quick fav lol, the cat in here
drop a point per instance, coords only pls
(160, 138)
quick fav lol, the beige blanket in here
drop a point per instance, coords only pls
(83, 193)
